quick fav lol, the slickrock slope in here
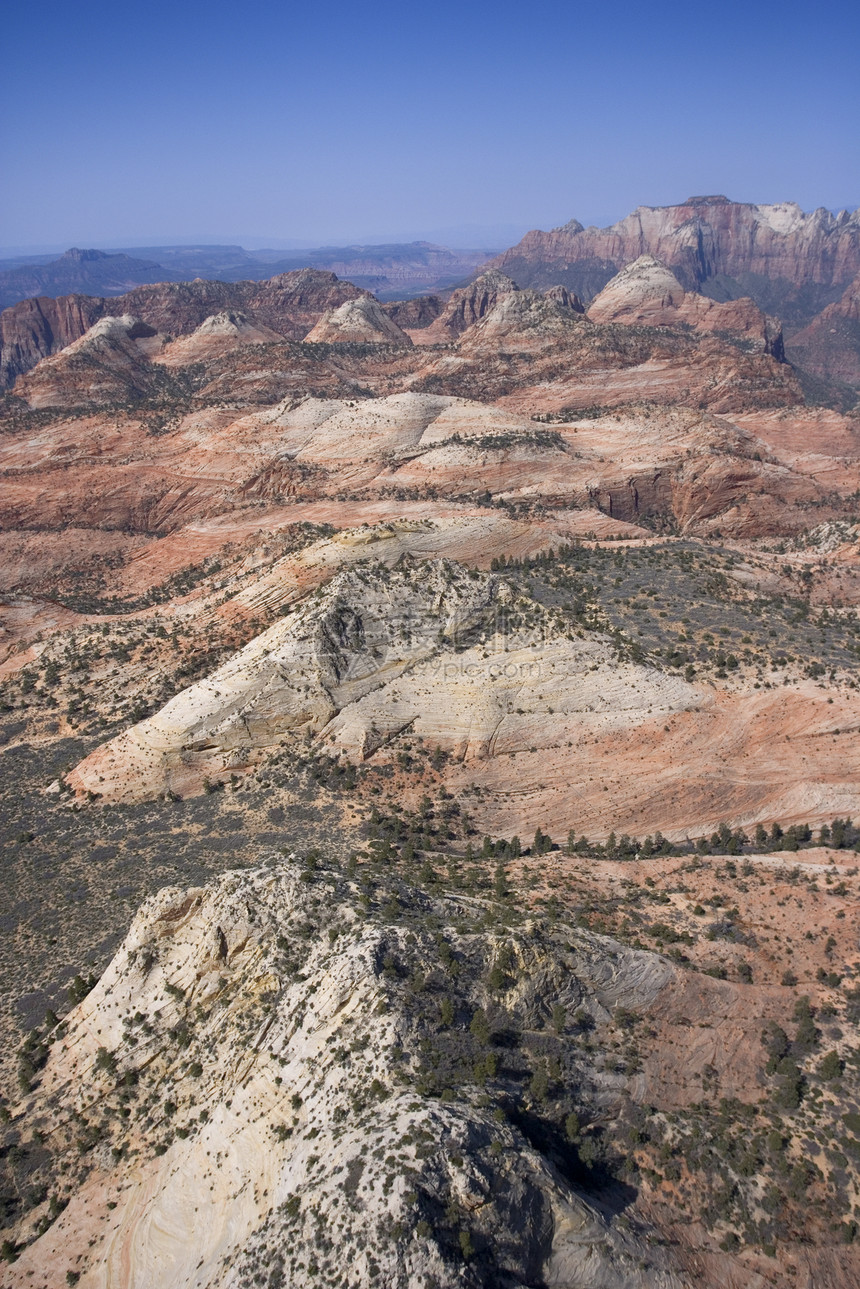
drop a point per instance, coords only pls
(641, 292)
(768, 252)
(715, 474)
(192, 482)
(427, 649)
(216, 460)
(360, 321)
(289, 1133)
(546, 719)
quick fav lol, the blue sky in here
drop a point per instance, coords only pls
(134, 124)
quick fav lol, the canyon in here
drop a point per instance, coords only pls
(431, 734)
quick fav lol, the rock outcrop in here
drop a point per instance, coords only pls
(295, 1127)
(216, 336)
(424, 648)
(647, 293)
(525, 320)
(415, 314)
(641, 292)
(467, 306)
(109, 363)
(357, 322)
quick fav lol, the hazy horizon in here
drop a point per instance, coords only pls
(129, 128)
(462, 238)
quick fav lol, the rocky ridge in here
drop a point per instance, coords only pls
(290, 304)
(303, 1034)
(304, 1062)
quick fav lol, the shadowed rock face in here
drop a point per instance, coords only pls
(417, 313)
(34, 329)
(830, 345)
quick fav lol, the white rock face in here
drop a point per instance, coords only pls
(358, 321)
(110, 334)
(332, 430)
(453, 657)
(266, 1044)
(783, 217)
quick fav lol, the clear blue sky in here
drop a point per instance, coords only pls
(139, 123)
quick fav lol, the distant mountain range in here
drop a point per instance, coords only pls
(391, 272)
(85, 272)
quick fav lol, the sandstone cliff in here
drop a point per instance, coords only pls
(737, 246)
(467, 306)
(34, 329)
(415, 314)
